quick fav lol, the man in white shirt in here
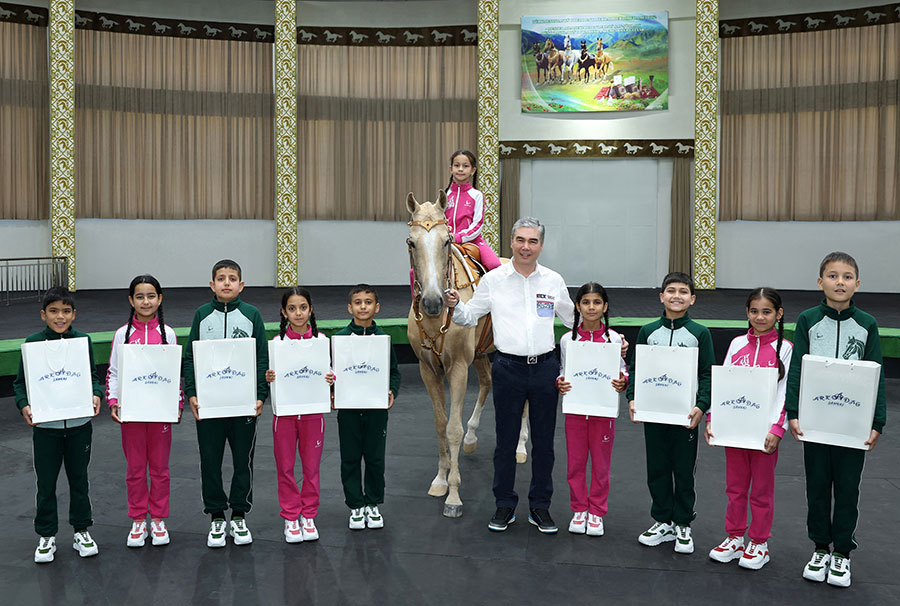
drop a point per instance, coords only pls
(522, 298)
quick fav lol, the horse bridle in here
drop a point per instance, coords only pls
(433, 342)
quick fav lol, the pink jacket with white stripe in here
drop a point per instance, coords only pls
(750, 350)
(142, 333)
(465, 212)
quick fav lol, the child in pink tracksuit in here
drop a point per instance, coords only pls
(146, 445)
(764, 346)
(298, 433)
(588, 436)
(465, 207)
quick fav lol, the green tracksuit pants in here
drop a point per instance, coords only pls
(837, 471)
(52, 449)
(671, 457)
(212, 434)
(363, 435)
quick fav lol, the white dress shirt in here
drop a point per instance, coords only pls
(521, 308)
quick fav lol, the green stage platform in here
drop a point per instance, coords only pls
(396, 328)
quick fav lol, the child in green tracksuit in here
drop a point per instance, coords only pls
(672, 449)
(363, 433)
(58, 442)
(835, 328)
(227, 317)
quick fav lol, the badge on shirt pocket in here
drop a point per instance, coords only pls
(544, 305)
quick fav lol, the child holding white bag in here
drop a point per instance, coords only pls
(303, 434)
(590, 436)
(751, 473)
(146, 445)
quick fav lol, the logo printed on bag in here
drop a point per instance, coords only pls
(362, 369)
(151, 379)
(662, 381)
(592, 375)
(741, 403)
(226, 373)
(60, 375)
(838, 399)
(304, 372)
(545, 305)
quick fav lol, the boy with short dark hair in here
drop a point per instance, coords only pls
(672, 449)
(835, 328)
(227, 317)
(58, 442)
(363, 433)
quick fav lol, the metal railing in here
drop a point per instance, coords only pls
(30, 277)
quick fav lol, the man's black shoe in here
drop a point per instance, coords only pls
(502, 519)
(541, 518)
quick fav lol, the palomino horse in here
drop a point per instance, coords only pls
(445, 350)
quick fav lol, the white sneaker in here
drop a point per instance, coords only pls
(45, 550)
(138, 533)
(817, 567)
(578, 525)
(656, 534)
(84, 544)
(755, 556)
(292, 532)
(239, 532)
(684, 543)
(357, 519)
(216, 536)
(730, 549)
(594, 526)
(308, 528)
(159, 532)
(839, 571)
(373, 517)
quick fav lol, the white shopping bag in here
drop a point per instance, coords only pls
(744, 399)
(149, 383)
(590, 368)
(362, 370)
(58, 379)
(300, 367)
(225, 377)
(837, 400)
(665, 387)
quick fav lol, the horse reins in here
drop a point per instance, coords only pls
(435, 343)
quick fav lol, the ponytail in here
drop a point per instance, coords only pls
(312, 323)
(162, 324)
(575, 324)
(131, 313)
(778, 347)
(283, 329)
(606, 322)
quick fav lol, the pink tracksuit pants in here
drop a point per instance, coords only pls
(303, 434)
(589, 436)
(753, 472)
(147, 446)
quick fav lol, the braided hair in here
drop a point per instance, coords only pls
(587, 289)
(145, 279)
(472, 160)
(772, 296)
(300, 292)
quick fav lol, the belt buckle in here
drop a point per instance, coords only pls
(532, 360)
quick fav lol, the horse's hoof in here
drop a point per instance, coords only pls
(453, 511)
(470, 447)
(437, 490)
(521, 457)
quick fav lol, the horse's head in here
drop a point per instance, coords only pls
(567, 45)
(583, 45)
(429, 250)
(549, 45)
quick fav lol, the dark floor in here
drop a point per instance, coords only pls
(421, 557)
(100, 310)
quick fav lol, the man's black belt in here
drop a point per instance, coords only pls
(526, 359)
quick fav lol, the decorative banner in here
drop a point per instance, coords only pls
(810, 22)
(285, 144)
(609, 148)
(489, 117)
(706, 107)
(591, 63)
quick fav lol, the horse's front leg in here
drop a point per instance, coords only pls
(521, 453)
(434, 383)
(457, 377)
(483, 367)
